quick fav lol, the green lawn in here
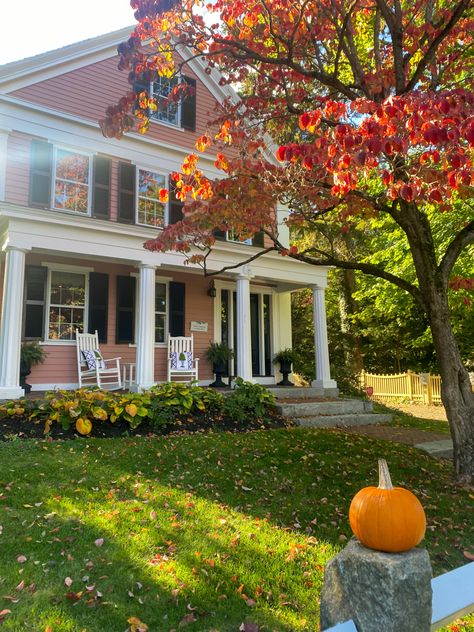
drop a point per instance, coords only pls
(206, 531)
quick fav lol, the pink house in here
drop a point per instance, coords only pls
(75, 210)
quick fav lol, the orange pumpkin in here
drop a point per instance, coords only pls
(83, 426)
(387, 518)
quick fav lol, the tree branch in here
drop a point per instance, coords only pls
(432, 48)
(366, 268)
(462, 239)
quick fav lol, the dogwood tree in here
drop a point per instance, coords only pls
(373, 101)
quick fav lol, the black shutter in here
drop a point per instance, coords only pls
(101, 188)
(41, 173)
(177, 296)
(188, 106)
(219, 234)
(175, 213)
(98, 304)
(125, 325)
(126, 211)
(35, 301)
(257, 239)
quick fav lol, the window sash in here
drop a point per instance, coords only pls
(71, 186)
(161, 315)
(160, 90)
(68, 311)
(148, 206)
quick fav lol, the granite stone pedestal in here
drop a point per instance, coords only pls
(378, 591)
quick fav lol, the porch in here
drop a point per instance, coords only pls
(91, 275)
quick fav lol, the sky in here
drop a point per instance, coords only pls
(44, 25)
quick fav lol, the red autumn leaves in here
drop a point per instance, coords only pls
(427, 134)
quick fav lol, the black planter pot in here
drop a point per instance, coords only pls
(285, 369)
(220, 369)
(25, 370)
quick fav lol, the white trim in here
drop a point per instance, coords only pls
(66, 386)
(64, 267)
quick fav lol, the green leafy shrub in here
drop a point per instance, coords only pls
(171, 400)
(248, 399)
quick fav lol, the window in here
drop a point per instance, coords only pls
(71, 181)
(168, 111)
(66, 304)
(181, 114)
(64, 179)
(161, 303)
(150, 211)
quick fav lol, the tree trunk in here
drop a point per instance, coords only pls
(456, 391)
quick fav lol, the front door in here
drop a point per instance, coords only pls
(260, 328)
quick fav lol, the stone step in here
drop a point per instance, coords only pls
(301, 392)
(331, 421)
(311, 409)
(442, 449)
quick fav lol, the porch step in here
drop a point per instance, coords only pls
(306, 410)
(302, 392)
(337, 407)
(331, 421)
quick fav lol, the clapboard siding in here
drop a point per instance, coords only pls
(18, 169)
(60, 364)
(87, 91)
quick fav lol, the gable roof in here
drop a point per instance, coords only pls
(25, 72)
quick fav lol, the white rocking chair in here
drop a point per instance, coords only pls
(92, 367)
(181, 361)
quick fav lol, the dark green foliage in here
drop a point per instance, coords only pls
(247, 400)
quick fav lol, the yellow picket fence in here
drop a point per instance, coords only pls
(414, 387)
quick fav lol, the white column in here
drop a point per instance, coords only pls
(244, 342)
(3, 160)
(145, 372)
(10, 325)
(321, 349)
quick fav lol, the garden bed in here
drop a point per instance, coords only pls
(165, 409)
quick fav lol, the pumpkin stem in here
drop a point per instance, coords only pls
(385, 482)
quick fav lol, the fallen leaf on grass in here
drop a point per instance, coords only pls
(4, 613)
(99, 542)
(136, 625)
(468, 555)
(186, 620)
(21, 559)
(68, 581)
(248, 627)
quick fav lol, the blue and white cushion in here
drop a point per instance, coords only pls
(181, 361)
(93, 358)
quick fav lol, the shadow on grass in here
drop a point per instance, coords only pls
(219, 522)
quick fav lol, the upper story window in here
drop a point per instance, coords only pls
(71, 181)
(181, 114)
(150, 211)
(168, 112)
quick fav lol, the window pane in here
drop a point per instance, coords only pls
(160, 320)
(67, 300)
(151, 211)
(160, 298)
(167, 110)
(71, 185)
(149, 184)
(72, 167)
